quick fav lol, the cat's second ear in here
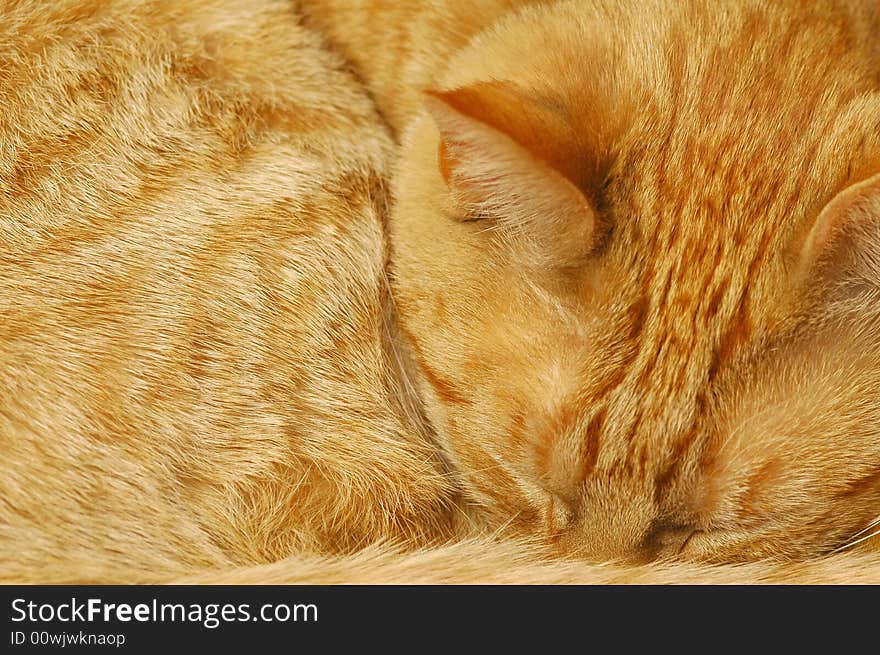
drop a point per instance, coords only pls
(513, 163)
(844, 242)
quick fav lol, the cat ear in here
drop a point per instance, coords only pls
(845, 239)
(511, 161)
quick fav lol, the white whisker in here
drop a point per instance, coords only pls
(854, 540)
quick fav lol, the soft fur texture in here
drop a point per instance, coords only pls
(363, 291)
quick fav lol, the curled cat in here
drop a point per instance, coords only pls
(607, 290)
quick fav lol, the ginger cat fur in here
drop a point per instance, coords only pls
(602, 305)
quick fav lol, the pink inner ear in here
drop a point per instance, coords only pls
(850, 212)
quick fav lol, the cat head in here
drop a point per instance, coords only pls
(636, 257)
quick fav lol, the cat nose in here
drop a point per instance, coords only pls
(665, 540)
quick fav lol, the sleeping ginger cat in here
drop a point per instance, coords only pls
(365, 291)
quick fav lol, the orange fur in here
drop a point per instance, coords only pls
(685, 389)
(630, 312)
(194, 319)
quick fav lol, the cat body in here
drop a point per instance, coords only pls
(632, 310)
(194, 316)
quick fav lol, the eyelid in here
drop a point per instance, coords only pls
(474, 216)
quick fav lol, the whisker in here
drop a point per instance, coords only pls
(868, 527)
(855, 540)
(863, 539)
